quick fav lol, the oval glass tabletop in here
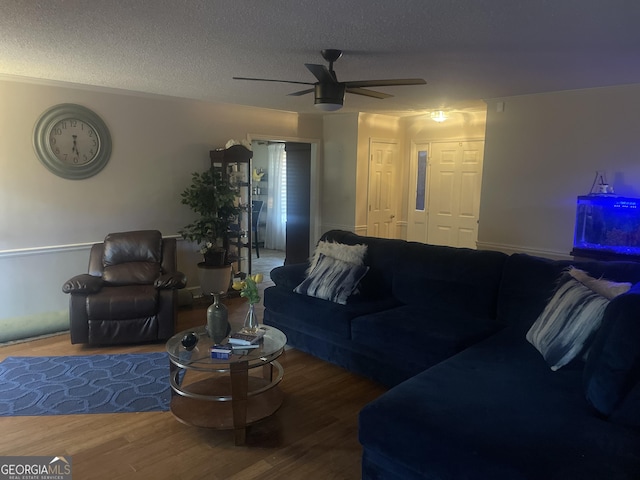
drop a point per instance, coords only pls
(199, 358)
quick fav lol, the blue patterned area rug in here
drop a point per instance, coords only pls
(136, 382)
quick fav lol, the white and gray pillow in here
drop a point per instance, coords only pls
(332, 279)
(572, 316)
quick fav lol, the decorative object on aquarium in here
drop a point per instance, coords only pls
(600, 185)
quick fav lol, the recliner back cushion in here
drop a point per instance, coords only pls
(131, 273)
(140, 246)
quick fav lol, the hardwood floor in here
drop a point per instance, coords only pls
(312, 436)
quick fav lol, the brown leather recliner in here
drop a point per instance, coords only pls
(130, 294)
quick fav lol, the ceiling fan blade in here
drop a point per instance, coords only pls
(301, 92)
(321, 72)
(270, 80)
(386, 83)
(368, 93)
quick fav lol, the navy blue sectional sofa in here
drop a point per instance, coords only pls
(470, 397)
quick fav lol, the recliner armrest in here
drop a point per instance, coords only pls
(173, 280)
(83, 284)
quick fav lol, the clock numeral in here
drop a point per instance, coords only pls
(53, 141)
(56, 131)
(74, 123)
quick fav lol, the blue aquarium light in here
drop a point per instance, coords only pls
(607, 223)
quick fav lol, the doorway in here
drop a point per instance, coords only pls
(444, 201)
(299, 197)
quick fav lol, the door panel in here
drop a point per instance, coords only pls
(381, 218)
(454, 194)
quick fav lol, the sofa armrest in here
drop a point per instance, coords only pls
(171, 281)
(82, 284)
(289, 276)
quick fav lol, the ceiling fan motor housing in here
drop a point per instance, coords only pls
(329, 93)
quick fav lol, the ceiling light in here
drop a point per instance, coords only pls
(329, 97)
(328, 107)
(439, 116)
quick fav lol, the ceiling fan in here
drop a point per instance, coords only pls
(329, 92)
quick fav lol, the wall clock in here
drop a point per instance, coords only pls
(72, 141)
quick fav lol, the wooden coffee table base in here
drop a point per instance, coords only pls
(227, 402)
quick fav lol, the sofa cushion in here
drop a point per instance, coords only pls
(628, 411)
(613, 365)
(316, 317)
(567, 324)
(497, 411)
(464, 279)
(421, 335)
(332, 279)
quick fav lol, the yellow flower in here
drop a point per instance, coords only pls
(248, 287)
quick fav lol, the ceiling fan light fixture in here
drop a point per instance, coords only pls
(329, 97)
(328, 107)
(439, 116)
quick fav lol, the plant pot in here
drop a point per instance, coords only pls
(215, 258)
(214, 279)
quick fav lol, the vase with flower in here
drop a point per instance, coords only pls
(249, 289)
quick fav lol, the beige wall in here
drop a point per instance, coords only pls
(543, 151)
(47, 223)
(339, 170)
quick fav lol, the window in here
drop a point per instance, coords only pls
(421, 180)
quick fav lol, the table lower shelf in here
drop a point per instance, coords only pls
(219, 415)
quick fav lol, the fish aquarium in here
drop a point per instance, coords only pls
(607, 226)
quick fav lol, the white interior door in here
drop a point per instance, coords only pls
(454, 193)
(383, 165)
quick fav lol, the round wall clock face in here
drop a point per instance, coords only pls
(72, 141)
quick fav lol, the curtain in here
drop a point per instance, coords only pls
(275, 229)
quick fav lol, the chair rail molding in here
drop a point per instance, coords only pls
(52, 249)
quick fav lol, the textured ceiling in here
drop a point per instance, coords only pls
(467, 50)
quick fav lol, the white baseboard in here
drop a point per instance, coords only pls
(511, 249)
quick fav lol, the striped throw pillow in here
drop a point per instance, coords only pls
(332, 279)
(568, 322)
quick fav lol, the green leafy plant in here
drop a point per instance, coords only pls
(248, 287)
(212, 197)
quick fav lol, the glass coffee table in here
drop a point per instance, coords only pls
(225, 394)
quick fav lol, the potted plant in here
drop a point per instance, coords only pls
(211, 197)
